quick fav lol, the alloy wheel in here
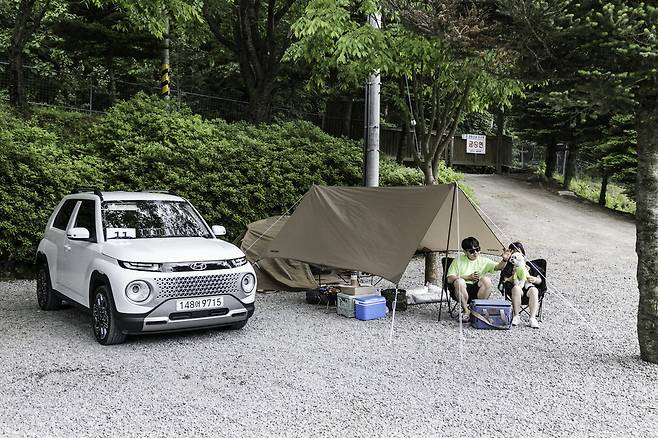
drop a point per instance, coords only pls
(101, 316)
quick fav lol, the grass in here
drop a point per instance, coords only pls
(589, 189)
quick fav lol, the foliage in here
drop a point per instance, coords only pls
(445, 80)
(233, 173)
(589, 189)
(614, 152)
(37, 168)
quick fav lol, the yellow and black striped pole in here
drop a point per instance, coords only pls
(164, 69)
(164, 81)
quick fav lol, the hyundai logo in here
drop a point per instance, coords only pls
(198, 266)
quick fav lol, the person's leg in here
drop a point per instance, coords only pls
(485, 288)
(533, 305)
(461, 294)
(516, 304)
(533, 301)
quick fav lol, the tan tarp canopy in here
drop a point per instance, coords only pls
(378, 229)
(273, 274)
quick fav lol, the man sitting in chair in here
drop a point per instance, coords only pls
(467, 274)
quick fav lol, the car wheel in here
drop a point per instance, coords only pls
(106, 326)
(46, 296)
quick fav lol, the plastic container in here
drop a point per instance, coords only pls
(345, 305)
(369, 307)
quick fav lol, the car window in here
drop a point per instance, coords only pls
(86, 218)
(151, 219)
(64, 214)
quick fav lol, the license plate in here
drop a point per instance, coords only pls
(199, 303)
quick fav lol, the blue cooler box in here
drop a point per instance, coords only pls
(498, 312)
(369, 307)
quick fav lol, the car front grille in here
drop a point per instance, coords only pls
(181, 287)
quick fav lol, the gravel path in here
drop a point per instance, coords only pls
(295, 370)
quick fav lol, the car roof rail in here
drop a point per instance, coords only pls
(168, 192)
(95, 190)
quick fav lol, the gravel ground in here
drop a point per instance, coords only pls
(295, 370)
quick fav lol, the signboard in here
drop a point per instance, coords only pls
(475, 144)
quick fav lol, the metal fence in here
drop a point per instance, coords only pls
(93, 95)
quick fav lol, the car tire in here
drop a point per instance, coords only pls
(46, 295)
(104, 318)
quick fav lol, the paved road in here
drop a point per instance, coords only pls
(295, 370)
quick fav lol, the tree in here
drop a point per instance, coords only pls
(28, 16)
(258, 35)
(613, 44)
(445, 76)
(90, 32)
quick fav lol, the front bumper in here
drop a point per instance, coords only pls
(165, 317)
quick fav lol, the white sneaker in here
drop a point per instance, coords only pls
(516, 320)
(534, 323)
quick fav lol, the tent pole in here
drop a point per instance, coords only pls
(445, 270)
(395, 304)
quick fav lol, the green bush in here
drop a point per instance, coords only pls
(36, 170)
(233, 173)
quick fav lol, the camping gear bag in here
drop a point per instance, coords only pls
(389, 294)
(369, 307)
(491, 314)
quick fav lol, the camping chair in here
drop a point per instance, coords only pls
(537, 269)
(448, 290)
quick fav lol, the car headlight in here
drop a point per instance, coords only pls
(240, 261)
(138, 291)
(248, 283)
(137, 266)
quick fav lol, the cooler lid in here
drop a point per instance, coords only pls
(490, 303)
(369, 299)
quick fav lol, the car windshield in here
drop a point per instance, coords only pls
(148, 219)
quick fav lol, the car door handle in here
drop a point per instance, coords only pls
(67, 247)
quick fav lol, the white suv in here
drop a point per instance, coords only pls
(142, 262)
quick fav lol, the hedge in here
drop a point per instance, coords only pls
(233, 173)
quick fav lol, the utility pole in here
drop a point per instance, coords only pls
(372, 109)
(164, 69)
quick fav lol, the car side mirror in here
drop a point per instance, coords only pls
(78, 233)
(218, 230)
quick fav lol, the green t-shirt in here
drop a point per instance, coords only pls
(521, 273)
(463, 266)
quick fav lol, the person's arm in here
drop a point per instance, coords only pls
(507, 253)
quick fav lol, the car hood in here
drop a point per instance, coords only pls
(170, 250)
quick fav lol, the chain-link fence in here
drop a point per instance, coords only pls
(93, 95)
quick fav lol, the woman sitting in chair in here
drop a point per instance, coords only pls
(519, 288)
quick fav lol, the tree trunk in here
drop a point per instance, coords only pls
(647, 227)
(402, 144)
(432, 258)
(500, 129)
(260, 101)
(550, 158)
(432, 268)
(17, 96)
(346, 129)
(570, 171)
(112, 84)
(604, 189)
(27, 21)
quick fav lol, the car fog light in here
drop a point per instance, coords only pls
(248, 283)
(138, 291)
